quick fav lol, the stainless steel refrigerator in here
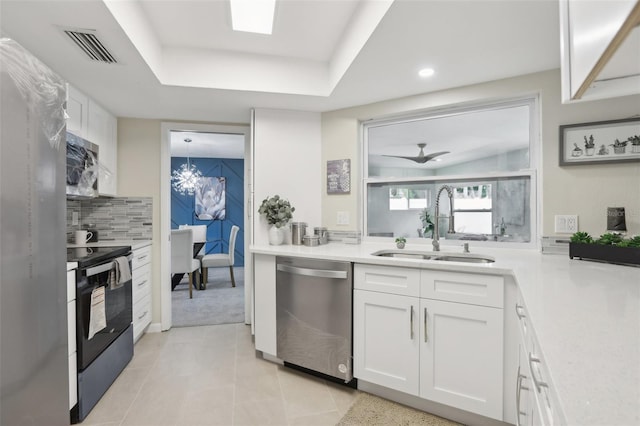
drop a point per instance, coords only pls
(33, 318)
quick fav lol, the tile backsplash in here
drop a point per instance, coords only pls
(118, 218)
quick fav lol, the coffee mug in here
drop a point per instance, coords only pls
(83, 236)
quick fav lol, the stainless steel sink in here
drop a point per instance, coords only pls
(468, 259)
(421, 255)
(404, 254)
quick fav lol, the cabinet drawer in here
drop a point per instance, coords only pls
(141, 282)
(474, 289)
(141, 257)
(141, 315)
(73, 380)
(71, 285)
(71, 327)
(387, 279)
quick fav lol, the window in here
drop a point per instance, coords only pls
(485, 153)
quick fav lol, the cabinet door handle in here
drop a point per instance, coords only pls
(426, 332)
(519, 313)
(140, 258)
(538, 383)
(142, 283)
(411, 322)
(143, 315)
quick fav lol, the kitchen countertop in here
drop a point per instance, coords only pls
(585, 315)
(135, 244)
(71, 266)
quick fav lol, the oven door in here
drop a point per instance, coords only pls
(116, 305)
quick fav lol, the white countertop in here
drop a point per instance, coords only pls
(135, 244)
(71, 265)
(586, 316)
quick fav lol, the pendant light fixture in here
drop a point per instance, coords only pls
(185, 179)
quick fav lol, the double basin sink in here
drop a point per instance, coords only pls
(447, 257)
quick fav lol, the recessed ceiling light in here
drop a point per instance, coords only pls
(426, 72)
(437, 159)
(253, 16)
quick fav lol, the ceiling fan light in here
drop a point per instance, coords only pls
(253, 16)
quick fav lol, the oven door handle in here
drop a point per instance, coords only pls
(95, 270)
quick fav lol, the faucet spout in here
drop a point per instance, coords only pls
(436, 228)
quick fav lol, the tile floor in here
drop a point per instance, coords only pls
(209, 375)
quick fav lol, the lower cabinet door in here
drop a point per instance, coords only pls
(386, 340)
(461, 353)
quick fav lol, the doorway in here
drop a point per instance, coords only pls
(220, 154)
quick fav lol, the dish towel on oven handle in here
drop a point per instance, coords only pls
(120, 272)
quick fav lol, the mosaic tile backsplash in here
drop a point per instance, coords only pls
(114, 218)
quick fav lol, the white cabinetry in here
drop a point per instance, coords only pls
(77, 110)
(265, 303)
(441, 338)
(141, 289)
(536, 399)
(385, 349)
(90, 121)
(599, 48)
(71, 339)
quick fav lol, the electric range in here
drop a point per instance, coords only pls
(88, 256)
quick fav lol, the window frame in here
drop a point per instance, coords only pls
(531, 173)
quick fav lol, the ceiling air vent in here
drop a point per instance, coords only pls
(91, 45)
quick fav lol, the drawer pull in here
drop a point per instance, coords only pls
(143, 257)
(426, 332)
(142, 283)
(519, 309)
(519, 389)
(538, 383)
(411, 322)
(143, 315)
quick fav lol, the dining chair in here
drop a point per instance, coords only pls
(199, 236)
(218, 260)
(182, 261)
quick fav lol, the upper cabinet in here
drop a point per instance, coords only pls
(89, 120)
(600, 48)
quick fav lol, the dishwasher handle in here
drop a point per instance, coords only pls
(321, 273)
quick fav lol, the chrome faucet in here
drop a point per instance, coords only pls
(436, 228)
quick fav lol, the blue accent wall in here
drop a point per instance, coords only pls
(183, 206)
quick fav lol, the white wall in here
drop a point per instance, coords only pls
(287, 148)
(584, 190)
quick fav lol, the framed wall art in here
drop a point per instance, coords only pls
(339, 176)
(210, 198)
(600, 142)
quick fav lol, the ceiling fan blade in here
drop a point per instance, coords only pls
(434, 155)
(416, 159)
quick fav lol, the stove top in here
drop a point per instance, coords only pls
(88, 256)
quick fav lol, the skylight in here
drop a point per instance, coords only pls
(254, 16)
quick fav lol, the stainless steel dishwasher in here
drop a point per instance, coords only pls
(314, 314)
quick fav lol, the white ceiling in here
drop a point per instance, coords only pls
(176, 56)
(207, 145)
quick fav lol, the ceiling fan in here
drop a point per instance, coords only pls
(421, 158)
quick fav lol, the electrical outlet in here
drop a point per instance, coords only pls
(343, 218)
(566, 224)
(74, 218)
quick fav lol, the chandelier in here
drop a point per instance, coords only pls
(185, 179)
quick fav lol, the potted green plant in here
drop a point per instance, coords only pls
(427, 223)
(589, 145)
(609, 247)
(635, 144)
(400, 242)
(619, 147)
(278, 212)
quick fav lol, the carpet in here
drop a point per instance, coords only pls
(218, 304)
(371, 410)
